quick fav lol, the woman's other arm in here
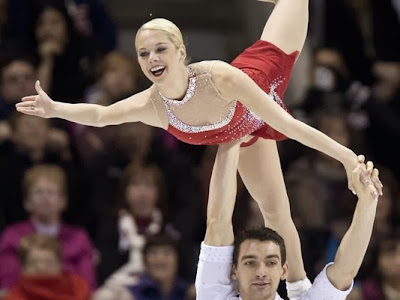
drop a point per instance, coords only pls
(136, 108)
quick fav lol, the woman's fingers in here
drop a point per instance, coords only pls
(38, 87)
(29, 98)
(28, 110)
(27, 103)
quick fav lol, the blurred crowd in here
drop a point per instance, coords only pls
(119, 212)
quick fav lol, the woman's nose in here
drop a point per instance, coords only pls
(153, 57)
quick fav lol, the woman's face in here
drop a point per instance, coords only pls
(141, 196)
(45, 201)
(51, 26)
(158, 56)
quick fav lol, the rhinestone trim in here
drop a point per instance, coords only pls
(189, 92)
(181, 126)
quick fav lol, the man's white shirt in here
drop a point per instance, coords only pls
(213, 280)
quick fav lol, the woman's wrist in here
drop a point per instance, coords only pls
(348, 158)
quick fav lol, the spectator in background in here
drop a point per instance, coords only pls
(26, 147)
(387, 221)
(319, 187)
(45, 190)
(62, 53)
(129, 143)
(161, 280)
(333, 24)
(89, 18)
(34, 141)
(316, 172)
(42, 274)
(117, 78)
(329, 81)
(379, 107)
(17, 77)
(384, 282)
(140, 213)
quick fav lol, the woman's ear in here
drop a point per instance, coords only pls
(182, 53)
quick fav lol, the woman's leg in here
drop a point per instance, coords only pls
(260, 169)
(287, 25)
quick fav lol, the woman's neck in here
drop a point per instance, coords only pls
(176, 85)
(46, 221)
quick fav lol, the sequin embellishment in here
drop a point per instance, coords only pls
(181, 126)
(189, 92)
(274, 95)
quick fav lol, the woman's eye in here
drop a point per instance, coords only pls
(161, 49)
(143, 54)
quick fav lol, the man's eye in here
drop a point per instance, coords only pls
(271, 263)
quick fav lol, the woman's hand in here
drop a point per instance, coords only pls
(369, 176)
(364, 178)
(40, 105)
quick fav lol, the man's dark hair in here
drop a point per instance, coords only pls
(262, 234)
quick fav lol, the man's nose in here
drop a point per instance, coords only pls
(261, 271)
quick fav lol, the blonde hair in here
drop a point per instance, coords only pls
(52, 172)
(170, 29)
(38, 241)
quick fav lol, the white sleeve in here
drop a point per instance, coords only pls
(213, 273)
(297, 288)
(323, 289)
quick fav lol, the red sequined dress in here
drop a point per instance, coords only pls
(203, 117)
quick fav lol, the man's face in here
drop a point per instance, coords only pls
(259, 270)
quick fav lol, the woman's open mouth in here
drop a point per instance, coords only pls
(157, 71)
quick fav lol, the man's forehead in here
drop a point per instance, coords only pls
(259, 249)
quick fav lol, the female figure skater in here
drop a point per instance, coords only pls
(213, 102)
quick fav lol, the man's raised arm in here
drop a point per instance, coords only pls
(213, 279)
(222, 196)
(354, 244)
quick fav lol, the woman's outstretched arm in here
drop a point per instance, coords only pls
(233, 84)
(137, 108)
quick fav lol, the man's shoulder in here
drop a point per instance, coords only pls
(322, 288)
(213, 279)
